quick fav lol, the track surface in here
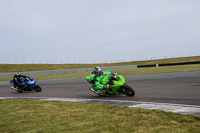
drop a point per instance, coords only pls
(177, 88)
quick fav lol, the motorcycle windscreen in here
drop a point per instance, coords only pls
(120, 82)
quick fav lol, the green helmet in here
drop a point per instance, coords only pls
(98, 71)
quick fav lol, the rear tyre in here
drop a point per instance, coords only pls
(128, 91)
(19, 90)
(38, 88)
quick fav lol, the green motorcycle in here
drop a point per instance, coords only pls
(117, 86)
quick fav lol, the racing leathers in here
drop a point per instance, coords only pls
(96, 81)
(17, 81)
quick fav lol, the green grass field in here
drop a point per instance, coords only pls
(31, 116)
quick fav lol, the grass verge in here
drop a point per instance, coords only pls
(167, 69)
(6, 68)
(31, 116)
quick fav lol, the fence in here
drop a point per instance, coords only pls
(86, 61)
(169, 64)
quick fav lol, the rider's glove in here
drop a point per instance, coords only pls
(106, 86)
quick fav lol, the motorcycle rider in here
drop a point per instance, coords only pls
(96, 77)
(17, 81)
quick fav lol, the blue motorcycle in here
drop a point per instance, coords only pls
(29, 83)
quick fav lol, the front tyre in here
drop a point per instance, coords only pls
(38, 88)
(128, 91)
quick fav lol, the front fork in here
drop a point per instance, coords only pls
(121, 89)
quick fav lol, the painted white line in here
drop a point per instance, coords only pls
(171, 108)
(176, 108)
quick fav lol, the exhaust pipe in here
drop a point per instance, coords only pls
(91, 89)
(13, 88)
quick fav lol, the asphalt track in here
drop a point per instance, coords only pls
(175, 88)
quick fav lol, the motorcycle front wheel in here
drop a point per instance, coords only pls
(37, 88)
(128, 91)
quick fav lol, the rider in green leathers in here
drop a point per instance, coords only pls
(96, 76)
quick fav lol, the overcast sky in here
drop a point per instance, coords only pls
(61, 31)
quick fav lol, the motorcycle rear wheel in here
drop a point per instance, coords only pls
(19, 90)
(128, 91)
